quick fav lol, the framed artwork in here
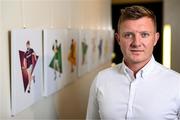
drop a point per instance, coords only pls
(53, 59)
(93, 50)
(26, 68)
(71, 55)
(107, 46)
(108, 40)
(100, 46)
(83, 53)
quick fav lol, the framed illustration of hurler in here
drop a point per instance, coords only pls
(53, 59)
(26, 68)
(71, 55)
(93, 49)
(83, 52)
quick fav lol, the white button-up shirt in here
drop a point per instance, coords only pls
(154, 94)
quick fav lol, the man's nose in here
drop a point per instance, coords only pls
(136, 41)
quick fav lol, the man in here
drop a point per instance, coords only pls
(139, 88)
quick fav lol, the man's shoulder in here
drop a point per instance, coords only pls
(168, 71)
(111, 71)
(173, 73)
(109, 74)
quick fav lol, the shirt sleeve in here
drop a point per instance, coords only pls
(178, 112)
(93, 107)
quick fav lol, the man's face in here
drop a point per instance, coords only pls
(137, 39)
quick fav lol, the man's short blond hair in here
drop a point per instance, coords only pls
(136, 12)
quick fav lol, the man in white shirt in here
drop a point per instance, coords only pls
(139, 88)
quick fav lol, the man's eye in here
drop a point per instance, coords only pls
(128, 35)
(145, 35)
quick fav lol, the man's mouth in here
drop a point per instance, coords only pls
(137, 50)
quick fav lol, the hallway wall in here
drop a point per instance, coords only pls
(93, 14)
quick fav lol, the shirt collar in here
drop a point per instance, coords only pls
(143, 72)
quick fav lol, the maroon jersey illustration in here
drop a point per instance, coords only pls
(28, 61)
(29, 57)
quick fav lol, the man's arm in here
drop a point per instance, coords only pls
(178, 111)
(93, 107)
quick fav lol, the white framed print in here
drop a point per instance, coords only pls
(53, 40)
(26, 68)
(83, 52)
(93, 49)
(100, 46)
(71, 55)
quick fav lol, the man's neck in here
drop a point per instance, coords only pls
(136, 66)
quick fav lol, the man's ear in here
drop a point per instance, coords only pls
(157, 35)
(117, 37)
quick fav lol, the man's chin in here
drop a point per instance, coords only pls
(136, 60)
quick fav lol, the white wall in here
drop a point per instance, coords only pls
(45, 14)
(172, 17)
